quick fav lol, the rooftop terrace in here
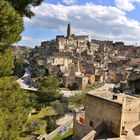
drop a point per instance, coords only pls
(110, 96)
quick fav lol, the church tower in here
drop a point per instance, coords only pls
(69, 30)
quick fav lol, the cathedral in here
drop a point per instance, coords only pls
(68, 44)
(71, 41)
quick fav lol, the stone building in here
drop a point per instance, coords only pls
(64, 43)
(108, 115)
(84, 80)
(69, 80)
(115, 76)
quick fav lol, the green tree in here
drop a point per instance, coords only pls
(20, 64)
(40, 72)
(11, 25)
(36, 125)
(15, 107)
(23, 7)
(14, 102)
(51, 125)
(6, 62)
(78, 99)
(48, 83)
(48, 90)
(59, 107)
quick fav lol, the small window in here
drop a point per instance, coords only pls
(91, 123)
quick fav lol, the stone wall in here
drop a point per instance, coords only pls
(132, 112)
(100, 110)
(68, 81)
(90, 136)
(78, 130)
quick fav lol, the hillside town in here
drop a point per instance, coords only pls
(69, 70)
(111, 71)
(78, 61)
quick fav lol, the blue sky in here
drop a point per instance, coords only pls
(117, 20)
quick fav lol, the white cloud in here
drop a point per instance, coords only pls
(30, 41)
(69, 2)
(102, 22)
(27, 39)
(126, 5)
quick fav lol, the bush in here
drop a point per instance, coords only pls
(78, 99)
(36, 125)
(38, 107)
(51, 125)
(59, 107)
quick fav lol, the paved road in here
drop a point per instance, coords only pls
(24, 81)
(68, 123)
(68, 94)
(64, 119)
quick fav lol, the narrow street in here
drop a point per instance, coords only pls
(24, 81)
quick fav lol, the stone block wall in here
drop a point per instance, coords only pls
(100, 110)
(78, 130)
(132, 112)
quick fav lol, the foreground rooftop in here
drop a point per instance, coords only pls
(113, 97)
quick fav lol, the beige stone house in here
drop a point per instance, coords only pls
(108, 116)
(83, 81)
(69, 80)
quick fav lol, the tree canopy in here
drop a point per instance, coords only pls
(48, 89)
(15, 104)
(48, 83)
(11, 25)
(6, 62)
(15, 108)
(23, 7)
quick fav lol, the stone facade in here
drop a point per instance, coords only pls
(69, 80)
(105, 111)
(115, 76)
(103, 60)
(83, 81)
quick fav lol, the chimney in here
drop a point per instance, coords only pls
(115, 97)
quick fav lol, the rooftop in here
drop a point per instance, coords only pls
(107, 95)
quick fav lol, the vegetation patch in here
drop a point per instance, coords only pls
(49, 111)
(37, 123)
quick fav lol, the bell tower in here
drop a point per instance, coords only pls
(69, 30)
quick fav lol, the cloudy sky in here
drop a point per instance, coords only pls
(117, 20)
